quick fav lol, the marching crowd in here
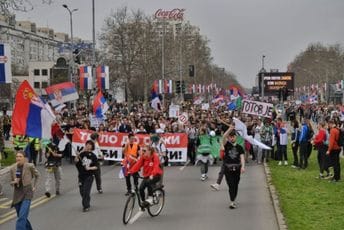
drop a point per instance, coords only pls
(213, 135)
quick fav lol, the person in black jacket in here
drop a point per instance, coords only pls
(234, 161)
(86, 163)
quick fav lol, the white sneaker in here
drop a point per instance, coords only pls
(280, 163)
(203, 177)
(149, 200)
(285, 162)
(215, 187)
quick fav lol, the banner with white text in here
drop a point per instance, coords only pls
(111, 144)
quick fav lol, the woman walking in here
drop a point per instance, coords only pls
(22, 175)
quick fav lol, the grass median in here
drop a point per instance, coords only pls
(10, 158)
(308, 202)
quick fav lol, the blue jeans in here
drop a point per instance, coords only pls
(23, 209)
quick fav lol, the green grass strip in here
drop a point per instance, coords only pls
(308, 202)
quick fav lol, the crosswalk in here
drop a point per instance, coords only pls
(7, 213)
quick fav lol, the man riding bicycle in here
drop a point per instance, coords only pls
(152, 172)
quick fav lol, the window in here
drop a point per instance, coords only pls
(44, 84)
(36, 84)
(44, 72)
(36, 72)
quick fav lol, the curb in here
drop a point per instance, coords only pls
(4, 170)
(275, 201)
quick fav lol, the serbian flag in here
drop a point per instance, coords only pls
(31, 116)
(168, 86)
(156, 103)
(5, 64)
(100, 106)
(61, 93)
(85, 74)
(103, 77)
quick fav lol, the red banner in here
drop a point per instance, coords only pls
(111, 144)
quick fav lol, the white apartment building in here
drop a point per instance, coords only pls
(29, 43)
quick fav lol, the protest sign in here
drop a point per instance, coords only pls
(257, 108)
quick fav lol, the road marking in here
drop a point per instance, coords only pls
(2, 199)
(12, 214)
(137, 215)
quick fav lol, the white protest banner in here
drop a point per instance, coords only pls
(111, 144)
(257, 108)
(205, 106)
(183, 118)
(173, 111)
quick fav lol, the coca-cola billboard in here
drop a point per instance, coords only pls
(175, 14)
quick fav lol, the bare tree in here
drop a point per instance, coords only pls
(18, 5)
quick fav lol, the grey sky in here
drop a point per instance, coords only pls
(240, 31)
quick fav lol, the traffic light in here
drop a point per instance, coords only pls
(76, 56)
(191, 70)
(178, 87)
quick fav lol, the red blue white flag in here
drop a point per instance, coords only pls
(103, 77)
(85, 74)
(31, 116)
(5, 64)
(61, 93)
(100, 106)
(168, 86)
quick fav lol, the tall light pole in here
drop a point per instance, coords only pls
(93, 42)
(262, 71)
(71, 60)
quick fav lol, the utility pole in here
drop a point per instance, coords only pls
(262, 74)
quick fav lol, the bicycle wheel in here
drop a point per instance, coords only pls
(128, 209)
(158, 202)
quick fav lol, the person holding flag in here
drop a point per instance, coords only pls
(100, 106)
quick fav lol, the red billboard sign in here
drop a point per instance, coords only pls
(175, 14)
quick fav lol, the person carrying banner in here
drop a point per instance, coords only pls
(100, 157)
(131, 153)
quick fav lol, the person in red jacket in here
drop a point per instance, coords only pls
(320, 142)
(334, 150)
(152, 172)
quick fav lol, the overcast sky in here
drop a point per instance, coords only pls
(240, 31)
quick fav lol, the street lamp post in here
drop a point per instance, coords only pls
(262, 80)
(71, 61)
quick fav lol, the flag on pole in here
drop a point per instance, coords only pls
(5, 64)
(31, 116)
(160, 86)
(85, 74)
(103, 77)
(168, 86)
(100, 106)
(61, 93)
(155, 103)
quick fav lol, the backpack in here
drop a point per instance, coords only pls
(340, 140)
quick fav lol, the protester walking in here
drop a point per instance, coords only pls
(86, 163)
(53, 169)
(234, 162)
(24, 178)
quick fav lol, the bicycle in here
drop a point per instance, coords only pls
(153, 209)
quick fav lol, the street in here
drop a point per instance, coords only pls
(190, 203)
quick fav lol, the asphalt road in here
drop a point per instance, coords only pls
(190, 204)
